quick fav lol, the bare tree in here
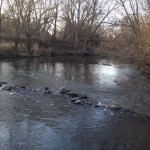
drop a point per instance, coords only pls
(146, 6)
(83, 19)
(1, 6)
(13, 15)
(34, 16)
(68, 19)
(99, 11)
(132, 13)
(77, 22)
(56, 4)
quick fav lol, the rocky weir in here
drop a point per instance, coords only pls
(75, 98)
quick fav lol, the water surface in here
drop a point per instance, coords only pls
(30, 120)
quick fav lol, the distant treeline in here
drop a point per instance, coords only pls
(121, 26)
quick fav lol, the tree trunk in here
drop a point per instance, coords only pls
(16, 45)
(29, 44)
(55, 23)
(0, 26)
(85, 44)
(77, 25)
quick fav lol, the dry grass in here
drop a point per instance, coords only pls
(6, 48)
(145, 39)
(35, 49)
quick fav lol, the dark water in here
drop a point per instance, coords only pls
(31, 121)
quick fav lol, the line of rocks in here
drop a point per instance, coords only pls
(82, 99)
(75, 98)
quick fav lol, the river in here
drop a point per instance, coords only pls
(30, 120)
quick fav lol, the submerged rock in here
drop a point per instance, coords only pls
(128, 111)
(71, 94)
(83, 96)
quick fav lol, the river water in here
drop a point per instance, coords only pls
(30, 120)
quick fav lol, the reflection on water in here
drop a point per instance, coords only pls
(29, 120)
(105, 74)
(109, 70)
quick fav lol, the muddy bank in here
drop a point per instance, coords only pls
(49, 54)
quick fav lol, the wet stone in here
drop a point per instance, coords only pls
(99, 104)
(2, 83)
(20, 87)
(35, 90)
(7, 87)
(74, 99)
(64, 90)
(88, 102)
(146, 117)
(106, 64)
(47, 91)
(23, 87)
(116, 108)
(79, 102)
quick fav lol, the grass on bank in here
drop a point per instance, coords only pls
(6, 48)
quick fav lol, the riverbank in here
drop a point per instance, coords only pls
(141, 65)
